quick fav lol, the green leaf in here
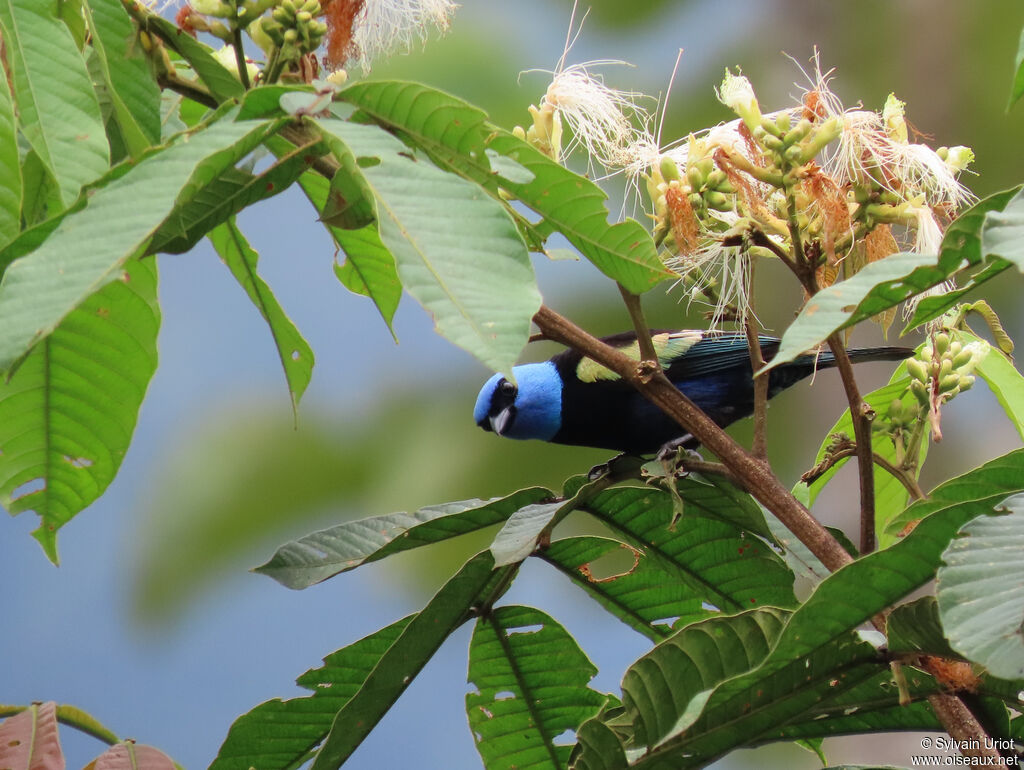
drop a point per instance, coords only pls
(222, 84)
(58, 111)
(225, 196)
(665, 691)
(321, 555)
(89, 247)
(471, 272)
(1003, 232)
(1003, 380)
(518, 536)
(877, 287)
(980, 490)
(930, 308)
(530, 680)
(277, 734)
(292, 349)
(981, 593)
(1017, 90)
(914, 627)
(67, 414)
(369, 267)
(640, 593)
(962, 247)
(418, 642)
(890, 494)
(723, 565)
(134, 94)
(10, 168)
(456, 135)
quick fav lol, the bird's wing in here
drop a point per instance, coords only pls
(669, 346)
(715, 352)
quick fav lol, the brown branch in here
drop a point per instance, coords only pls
(860, 414)
(753, 473)
(643, 332)
(963, 727)
(900, 474)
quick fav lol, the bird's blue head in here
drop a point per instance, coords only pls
(531, 407)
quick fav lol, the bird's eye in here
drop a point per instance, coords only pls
(507, 388)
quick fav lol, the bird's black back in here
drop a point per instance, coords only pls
(714, 373)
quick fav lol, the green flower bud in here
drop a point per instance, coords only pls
(311, 6)
(917, 370)
(945, 367)
(695, 177)
(949, 383)
(920, 392)
(782, 122)
(716, 179)
(962, 358)
(291, 37)
(668, 168)
(966, 382)
(303, 17)
(718, 201)
(942, 341)
(895, 123)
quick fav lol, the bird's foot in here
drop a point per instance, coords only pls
(673, 459)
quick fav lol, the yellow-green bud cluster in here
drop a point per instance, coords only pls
(545, 133)
(943, 369)
(293, 27)
(788, 146)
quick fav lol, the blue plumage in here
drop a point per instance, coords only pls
(573, 400)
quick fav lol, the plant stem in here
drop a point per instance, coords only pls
(759, 447)
(643, 333)
(860, 414)
(243, 71)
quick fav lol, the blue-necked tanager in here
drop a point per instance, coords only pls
(571, 399)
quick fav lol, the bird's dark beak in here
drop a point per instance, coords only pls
(501, 421)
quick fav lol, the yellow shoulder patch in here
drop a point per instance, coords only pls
(668, 345)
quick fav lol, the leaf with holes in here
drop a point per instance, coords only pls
(292, 349)
(88, 248)
(640, 593)
(725, 566)
(30, 740)
(67, 414)
(471, 272)
(530, 679)
(981, 591)
(58, 111)
(321, 555)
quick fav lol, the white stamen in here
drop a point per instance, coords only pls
(385, 26)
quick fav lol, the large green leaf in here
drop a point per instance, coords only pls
(640, 593)
(321, 555)
(1003, 379)
(292, 349)
(530, 680)
(890, 494)
(133, 93)
(887, 282)
(228, 194)
(471, 272)
(878, 287)
(1017, 90)
(88, 248)
(981, 591)
(930, 308)
(281, 734)
(222, 84)
(979, 489)
(456, 135)
(67, 414)
(404, 659)
(1003, 233)
(58, 112)
(10, 168)
(724, 566)
(369, 267)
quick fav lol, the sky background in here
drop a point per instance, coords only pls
(152, 622)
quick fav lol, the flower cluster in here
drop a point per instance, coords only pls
(828, 188)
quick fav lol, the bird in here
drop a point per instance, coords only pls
(572, 399)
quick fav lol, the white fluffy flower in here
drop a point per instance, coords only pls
(386, 26)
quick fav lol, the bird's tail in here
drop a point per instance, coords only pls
(825, 359)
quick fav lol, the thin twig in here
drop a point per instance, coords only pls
(243, 70)
(750, 326)
(860, 414)
(643, 332)
(902, 475)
